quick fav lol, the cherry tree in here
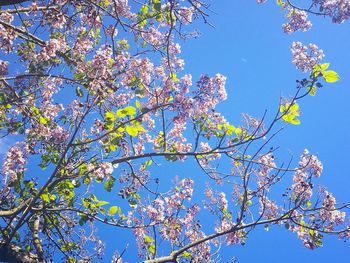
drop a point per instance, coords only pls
(94, 95)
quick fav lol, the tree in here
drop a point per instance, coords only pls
(94, 95)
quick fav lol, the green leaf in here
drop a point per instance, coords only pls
(144, 9)
(173, 77)
(291, 119)
(157, 5)
(101, 203)
(83, 219)
(42, 120)
(290, 113)
(138, 104)
(308, 204)
(112, 210)
(109, 116)
(108, 185)
(312, 90)
(294, 109)
(324, 66)
(129, 110)
(330, 76)
(132, 203)
(45, 197)
(35, 111)
(148, 163)
(132, 130)
(186, 254)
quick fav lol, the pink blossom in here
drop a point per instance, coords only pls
(54, 19)
(14, 162)
(7, 35)
(268, 208)
(186, 15)
(74, 109)
(266, 164)
(309, 166)
(297, 21)
(122, 8)
(58, 135)
(338, 10)
(52, 47)
(104, 170)
(304, 60)
(329, 213)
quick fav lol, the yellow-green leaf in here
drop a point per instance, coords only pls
(109, 116)
(291, 119)
(131, 130)
(312, 90)
(42, 120)
(330, 76)
(112, 210)
(324, 66)
(129, 110)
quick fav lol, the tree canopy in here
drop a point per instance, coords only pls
(94, 98)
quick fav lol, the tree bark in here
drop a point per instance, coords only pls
(14, 254)
(11, 2)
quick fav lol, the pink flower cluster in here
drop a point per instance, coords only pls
(309, 166)
(303, 59)
(297, 21)
(74, 110)
(7, 35)
(165, 211)
(55, 19)
(84, 42)
(14, 162)
(267, 164)
(52, 48)
(268, 208)
(186, 15)
(104, 170)
(122, 8)
(338, 10)
(211, 91)
(58, 134)
(330, 213)
(99, 69)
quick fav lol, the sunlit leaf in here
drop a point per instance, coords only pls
(330, 76)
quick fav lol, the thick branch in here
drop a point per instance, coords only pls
(36, 238)
(28, 9)
(14, 254)
(15, 210)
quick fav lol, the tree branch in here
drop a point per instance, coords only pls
(14, 254)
